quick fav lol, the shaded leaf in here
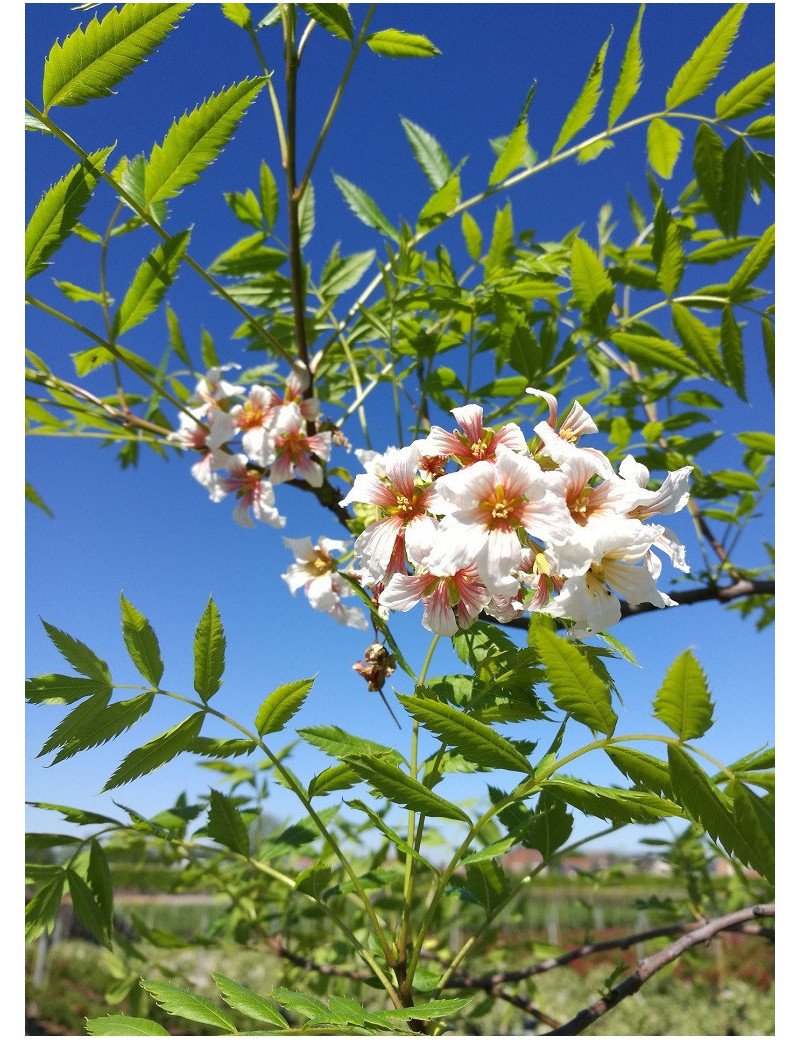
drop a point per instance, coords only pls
(79, 655)
(654, 352)
(609, 803)
(644, 770)
(157, 752)
(87, 909)
(209, 652)
(475, 741)
(225, 823)
(395, 785)
(700, 342)
(62, 689)
(667, 250)
(42, 907)
(733, 352)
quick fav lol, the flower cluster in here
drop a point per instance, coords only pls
(467, 522)
(274, 443)
(475, 521)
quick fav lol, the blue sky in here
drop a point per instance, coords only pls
(152, 534)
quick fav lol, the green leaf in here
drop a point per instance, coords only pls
(748, 95)
(429, 154)
(584, 108)
(342, 273)
(392, 43)
(225, 823)
(393, 837)
(245, 207)
(79, 655)
(548, 827)
(630, 73)
(150, 283)
(733, 352)
(281, 705)
(756, 261)
(268, 193)
(187, 1005)
(683, 701)
(708, 160)
(365, 208)
(395, 785)
(768, 336)
(124, 1025)
(340, 744)
(86, 908)
(92, 724)
(764, 443)
(73, 815)
(755, 822)
(591, 285)
(247, 1002)
(487, 883)
(32, 495)
(592, 150)
(239, 14)
(513, 155)
(654, 352)
(609, 803)
(700, 342)
(707, 60)
(248, 257)
(334, 778)
(194, 141)
(431, 1009)
(305, 214)
(667, 250)
(644, 770)
(762, 128)
(663, 147)
(141, 642)
(472, 235)
(501, 247)
(575, 686)
(333, 17)
(314, 880)
(209, 652)
(90, 63)
(57, 213)
(700, 798)
(477, 742)
(42, 907)
(734, 186)
(441, 203)
(62, 689)
(157, 752)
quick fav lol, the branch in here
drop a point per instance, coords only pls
(650, 965)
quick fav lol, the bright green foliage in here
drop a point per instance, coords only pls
(429, 154)
(514, 154)
(59, 211)
(157, 752)
(683, 701)
(195, 140)
(151, 282)
(705, 63)
(333, 17)
(79, 655)
(124, 1025)
(281, 705)
(225, 823)
(91, 62)
(586, 105)
(190, 1006)
(365, 208)
(239, 14)
(630, 73)
(248, 1003)
(591, 285)
(664, 143)
(575, 686)
(752, 93)
(402, 789)
(392, 43)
